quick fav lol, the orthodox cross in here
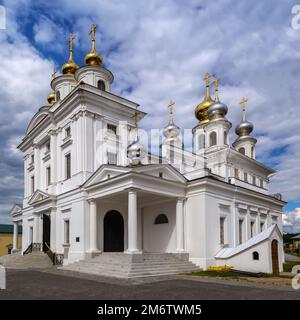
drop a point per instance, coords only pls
(54, 73)
(170, 107)
(71, 40)
(216, 84)
(206, 78)
(92, 33)
(243, 103)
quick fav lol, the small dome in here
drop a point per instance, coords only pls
(51, 98)
(201, 111)
(136, 152)
(244, 128)
(93, 59)
(69, 68)
(217, 110)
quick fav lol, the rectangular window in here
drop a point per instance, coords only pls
(236, 173)
(68, 131)
(48, 173)
(240, 231)
(111, 158)
(32, 159)
(32, 184)
(261, 182)
(68, 165)
(67, 231)
(254, 180)
(112, 128)
(262, 224)
(222, 234)
(252, 229)
(48, 146)
(245, 177)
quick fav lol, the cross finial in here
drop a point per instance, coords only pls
(71, 40)
(216, 85)
(136, 119)
(206, 78)
(243, 103)
(92, 33)
(54, 73)
(171, 106)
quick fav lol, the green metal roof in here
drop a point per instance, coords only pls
(9, 228)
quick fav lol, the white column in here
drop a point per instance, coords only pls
(53, 229)
(93, 226)
(248, 225)
(37, 166)
(36, 229)
(235, 225)
(15, 237)
(53, 164)
(257, 223)
(269, 219)
(179, 225)
(132, 222)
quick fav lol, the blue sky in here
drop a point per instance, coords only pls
(160, 50)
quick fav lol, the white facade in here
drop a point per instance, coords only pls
(82, 197)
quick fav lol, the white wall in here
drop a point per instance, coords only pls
(159, 237)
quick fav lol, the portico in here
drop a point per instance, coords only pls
(139, 200)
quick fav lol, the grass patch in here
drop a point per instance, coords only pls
(218, 274)
(235, 274)
(288, 265)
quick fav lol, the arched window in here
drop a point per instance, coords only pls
(242, 151)
(202, 141)
(213, 139)
(225, 137)
(172, 154)
(57, 95)
(252, 152)
(161, 218)
(101, 85)
(255, 255)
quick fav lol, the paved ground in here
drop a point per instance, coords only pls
(56, 284)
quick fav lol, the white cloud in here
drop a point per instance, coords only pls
(291, 221)
(159, 50)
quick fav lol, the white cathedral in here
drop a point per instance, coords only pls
(92, 191)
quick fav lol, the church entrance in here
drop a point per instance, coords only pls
(113, 232)
(275, 262)
(46, 232)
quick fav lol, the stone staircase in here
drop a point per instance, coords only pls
(33, 260)
(134, 265)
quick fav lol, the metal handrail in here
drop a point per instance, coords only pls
(28, 250)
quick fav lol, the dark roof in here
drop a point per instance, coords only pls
(9, 228)
(297, 236)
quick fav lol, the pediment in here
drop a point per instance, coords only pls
(15, 210)
(39, 196)
(105, 172)
(168, 172)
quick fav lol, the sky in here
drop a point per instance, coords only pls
(157, 51)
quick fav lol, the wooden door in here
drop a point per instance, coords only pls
(275, 261)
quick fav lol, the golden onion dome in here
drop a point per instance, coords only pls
(93, 58)
(201, 111)
(51, 98)
(70, 67)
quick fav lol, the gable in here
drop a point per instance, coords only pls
(167, 171)
(105, 172)
(39, 196)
